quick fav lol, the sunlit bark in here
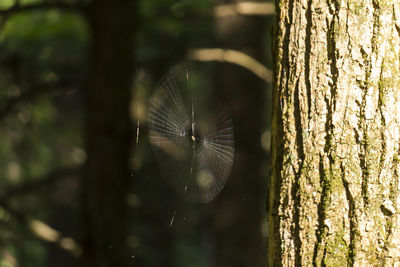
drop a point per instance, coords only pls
(335, 172)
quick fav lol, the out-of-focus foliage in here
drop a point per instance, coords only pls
(43, 54)
(48, 48)
(168, 27)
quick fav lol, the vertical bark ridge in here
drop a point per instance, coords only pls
(382, 134)
(353, 222)
(320, 248)
(396, 16)
(286, 78)
(296, 182)
(363, 147)
(275, 242)
(307, 56)
(325, 172)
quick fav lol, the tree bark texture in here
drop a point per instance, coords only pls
(334, 195)
(108, 133)
(241, 206)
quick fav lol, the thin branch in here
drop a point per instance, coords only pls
(49, 180)
(17, 8)
(43, 231)
(36, 91)
(40, 229)
(234, 57)
(245, 9)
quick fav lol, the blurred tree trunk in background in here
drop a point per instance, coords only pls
(335, 134)
(240, 208)
(108, 133)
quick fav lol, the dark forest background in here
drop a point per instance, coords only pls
(79, 184)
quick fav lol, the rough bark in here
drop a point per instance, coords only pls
(108, 133)
(335, 156)
(240, 208)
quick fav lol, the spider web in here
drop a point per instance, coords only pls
(198, 169)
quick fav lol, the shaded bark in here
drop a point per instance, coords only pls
(240, 208)
(335, 153)
(108, 133)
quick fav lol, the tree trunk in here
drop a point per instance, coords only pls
(335, 153)
(108, 133)
(240, 208)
